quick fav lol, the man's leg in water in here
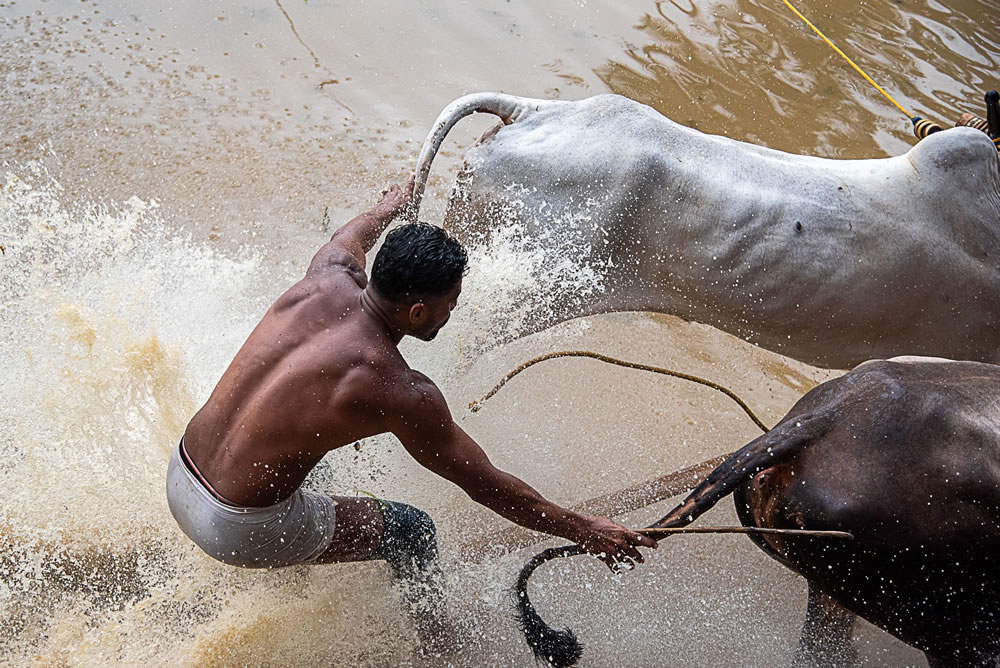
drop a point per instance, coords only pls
(403, 536)
(357, 533)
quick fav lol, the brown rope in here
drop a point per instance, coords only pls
(476, 405)
(618, 503)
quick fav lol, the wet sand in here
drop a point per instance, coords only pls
(169, 170)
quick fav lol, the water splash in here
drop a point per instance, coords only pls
(514, 280)
(115, 328)
(112, 326)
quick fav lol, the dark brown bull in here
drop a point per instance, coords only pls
(905, 455)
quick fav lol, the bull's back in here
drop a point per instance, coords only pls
(557, 154)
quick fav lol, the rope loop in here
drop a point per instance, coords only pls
(476, 405)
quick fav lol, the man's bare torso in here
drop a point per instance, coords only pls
(314, 375)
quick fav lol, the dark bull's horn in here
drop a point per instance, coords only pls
(989, 125)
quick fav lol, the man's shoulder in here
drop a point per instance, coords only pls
(392, 394)
(382, 370)
(412, 392)
(411, 385)
(417, 410)
(331, 290)
(334, 259)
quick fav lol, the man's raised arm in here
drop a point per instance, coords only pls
(430, 435)
(358, 236)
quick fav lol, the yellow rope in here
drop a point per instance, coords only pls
(476, 405)
(860, 71)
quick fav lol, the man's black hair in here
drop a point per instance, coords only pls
(417, 260)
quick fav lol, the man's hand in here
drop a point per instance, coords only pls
(615, 545)
(395, 201)
(358, 235)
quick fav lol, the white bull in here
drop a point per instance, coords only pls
(831, 262)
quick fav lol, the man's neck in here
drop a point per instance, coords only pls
(376, 309)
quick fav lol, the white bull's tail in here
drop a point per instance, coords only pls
(507, 107)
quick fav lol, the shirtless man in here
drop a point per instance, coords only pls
(322, 370)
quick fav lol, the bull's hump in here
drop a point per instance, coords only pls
(958, 165)
(957, 148)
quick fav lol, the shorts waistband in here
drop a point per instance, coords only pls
(190, 466)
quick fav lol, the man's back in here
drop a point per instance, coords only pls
(310, 378)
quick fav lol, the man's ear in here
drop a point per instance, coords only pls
(416, 312)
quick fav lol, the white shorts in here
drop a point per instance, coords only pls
(296, 530)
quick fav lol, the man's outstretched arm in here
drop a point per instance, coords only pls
(431, 436)
(358, 236)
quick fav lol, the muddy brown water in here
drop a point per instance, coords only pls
(168, 170)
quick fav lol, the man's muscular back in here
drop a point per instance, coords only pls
(315, 374)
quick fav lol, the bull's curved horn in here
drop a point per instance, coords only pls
(507, 107)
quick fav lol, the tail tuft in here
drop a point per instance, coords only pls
(558, 648)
